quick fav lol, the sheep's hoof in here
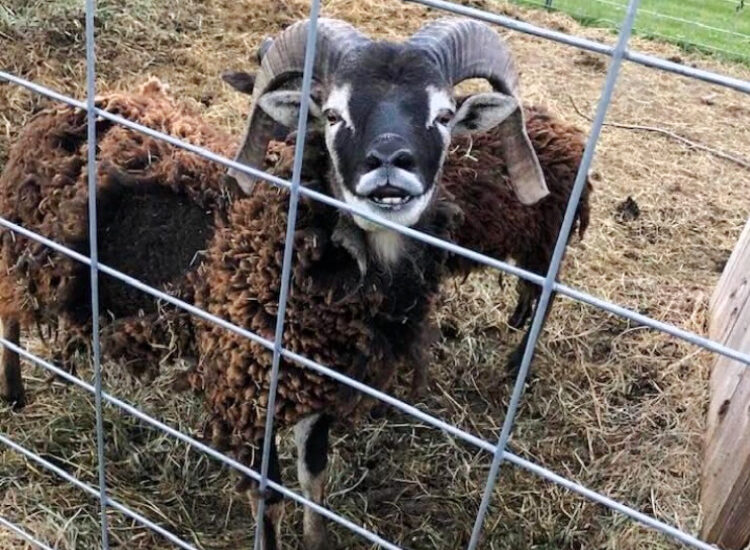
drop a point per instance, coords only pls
(15, 397)
(12, 392)
(520, 315)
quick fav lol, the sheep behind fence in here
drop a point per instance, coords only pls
(549, 286)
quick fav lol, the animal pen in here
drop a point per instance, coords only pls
(550, 285)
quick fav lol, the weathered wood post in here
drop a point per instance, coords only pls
(725, 487)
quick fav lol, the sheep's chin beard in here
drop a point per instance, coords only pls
(408, 215)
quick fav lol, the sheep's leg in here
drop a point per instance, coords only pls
(274, 506)
(514, 361)
(11, 382)
(311, 437)
(528, 294)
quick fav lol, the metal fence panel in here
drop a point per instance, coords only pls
(550, 287)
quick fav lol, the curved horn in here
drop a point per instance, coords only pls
(283, 60)
(463, 49)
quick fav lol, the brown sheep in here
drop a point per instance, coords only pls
(362, 324)
(157, 207)
(386, 115)
(474, 176)
(496, 224)
(362, 327)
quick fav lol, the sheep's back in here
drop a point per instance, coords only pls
(44, 189)
(496, 223)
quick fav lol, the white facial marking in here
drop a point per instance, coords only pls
(398, 177)
(407, 215)
(338, 100)
(386, 245)
(439, 100)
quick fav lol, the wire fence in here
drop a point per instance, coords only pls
(548, 284)
(732, 43)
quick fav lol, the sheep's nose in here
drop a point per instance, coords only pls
(388, 152)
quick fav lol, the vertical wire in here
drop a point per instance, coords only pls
(93, 254)
(554, 267)
(286, 268)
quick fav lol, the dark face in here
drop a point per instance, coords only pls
(387, 124)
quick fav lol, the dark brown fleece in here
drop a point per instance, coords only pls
(364, 334)
(157, 206)
(496, 223)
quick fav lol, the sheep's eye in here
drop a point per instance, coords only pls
(332, 116)
(444, 117)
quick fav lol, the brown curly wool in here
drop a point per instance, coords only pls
(474, 177)
(157, 207)
(362, 334)
(496, 223)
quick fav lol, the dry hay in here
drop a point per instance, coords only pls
(615, 406)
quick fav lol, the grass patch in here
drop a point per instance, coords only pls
(717, 27)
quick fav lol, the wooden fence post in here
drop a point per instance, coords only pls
(725, 487)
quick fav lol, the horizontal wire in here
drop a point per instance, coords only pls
(42, 90)
(133, 411)
(13, 528)
(661, 326)
(649, 521)
(85, 487)
(590, 45)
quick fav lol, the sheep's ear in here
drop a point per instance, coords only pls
(284, 105)
(482, 112)
(240, 81)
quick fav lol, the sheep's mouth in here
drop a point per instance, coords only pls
(390, 197)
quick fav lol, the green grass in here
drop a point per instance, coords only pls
(661, 19)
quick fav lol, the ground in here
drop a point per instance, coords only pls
(612, 405)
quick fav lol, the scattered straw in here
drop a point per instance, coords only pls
(614, 406)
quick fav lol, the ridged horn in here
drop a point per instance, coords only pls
(463, 49)
(283, 60)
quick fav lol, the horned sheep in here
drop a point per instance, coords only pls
(385, 115)
(384, 153)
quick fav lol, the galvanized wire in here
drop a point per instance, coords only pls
(548, 283)
(554, 267)
(202, 447)
(286, 266)
(20, 533)
(94, 261)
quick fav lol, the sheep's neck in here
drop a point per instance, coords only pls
(386, 246)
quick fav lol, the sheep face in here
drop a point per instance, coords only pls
(388, 112)
(388, 116)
